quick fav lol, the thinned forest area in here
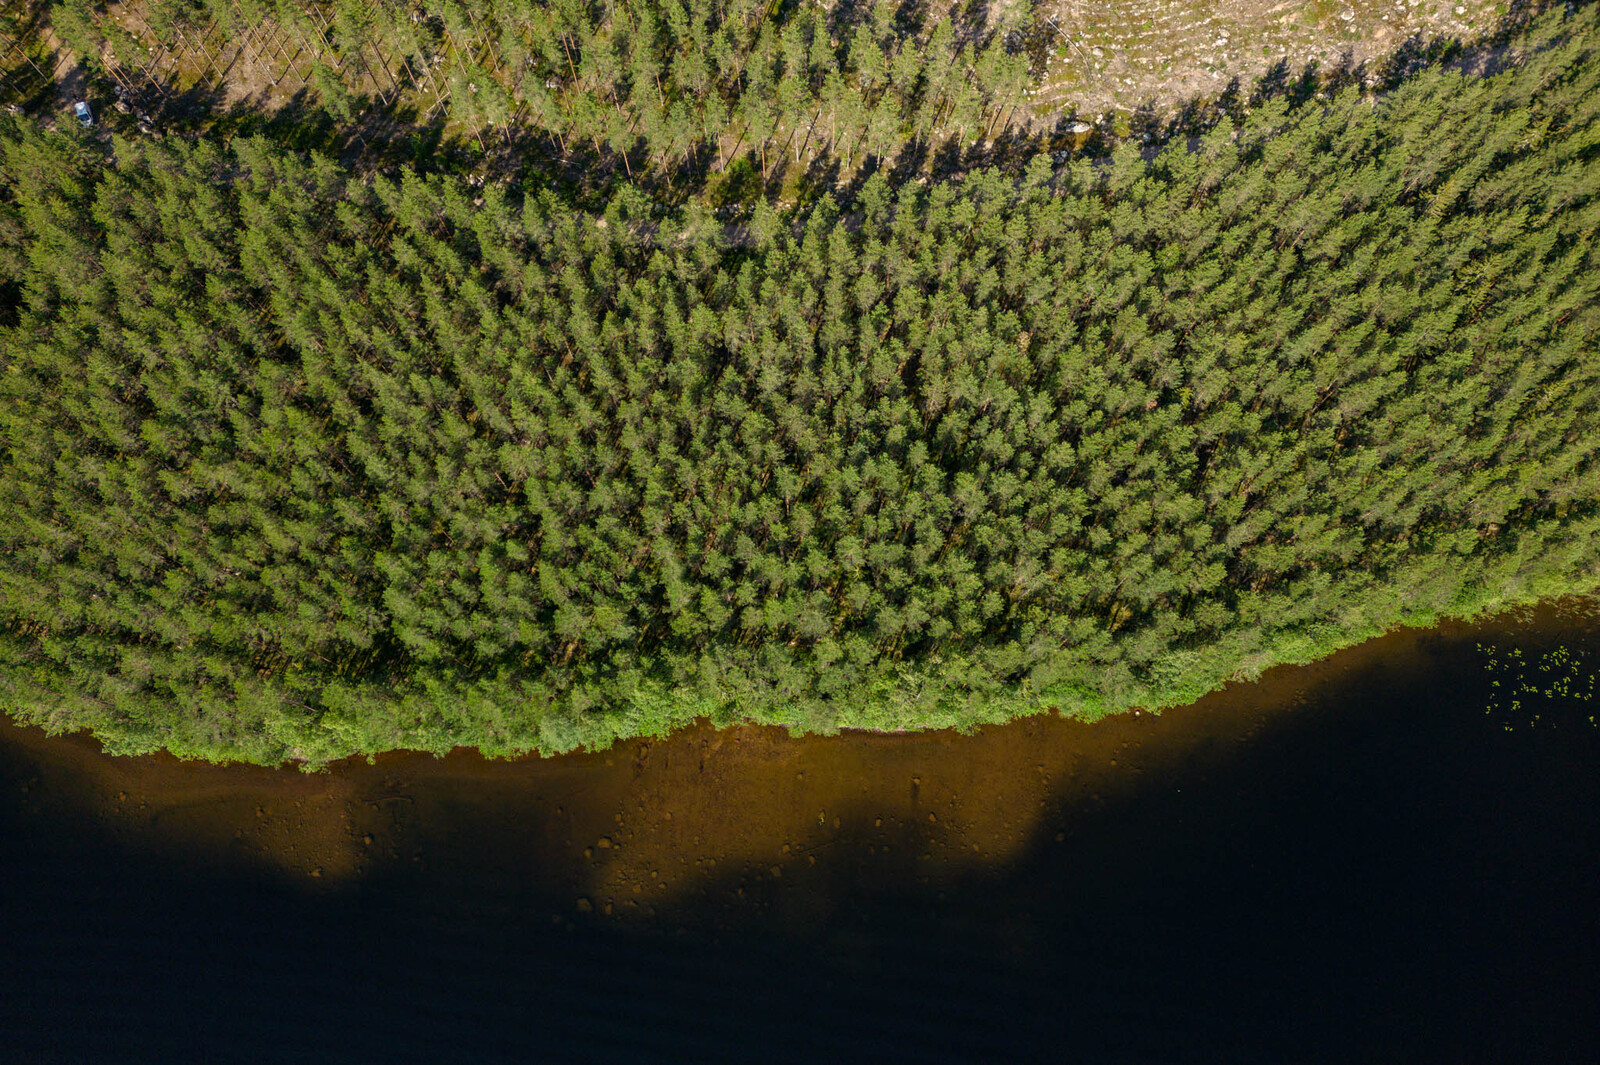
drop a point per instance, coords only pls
(304, 461)
(661, 92)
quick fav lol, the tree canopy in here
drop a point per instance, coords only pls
(300, 464)
(654, 81)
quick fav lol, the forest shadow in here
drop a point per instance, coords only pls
(374, 137)
(1345, 861)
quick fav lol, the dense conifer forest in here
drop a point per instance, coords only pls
(302, 462)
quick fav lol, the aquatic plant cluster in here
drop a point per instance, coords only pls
(1530, 691)
(302, 462)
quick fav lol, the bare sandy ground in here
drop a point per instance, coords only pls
(1110, 55)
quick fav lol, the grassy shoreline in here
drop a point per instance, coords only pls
(1288, 650)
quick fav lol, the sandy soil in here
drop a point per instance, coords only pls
(1123, 54)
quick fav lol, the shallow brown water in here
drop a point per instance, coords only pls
(1347, 858)
(640, 826)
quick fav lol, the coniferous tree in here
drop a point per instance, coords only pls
(300, 463)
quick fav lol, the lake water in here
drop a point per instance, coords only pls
(1349, 861)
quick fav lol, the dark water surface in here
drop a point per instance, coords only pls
(1347, 862)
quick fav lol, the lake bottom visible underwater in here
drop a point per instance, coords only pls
(1383, 856)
